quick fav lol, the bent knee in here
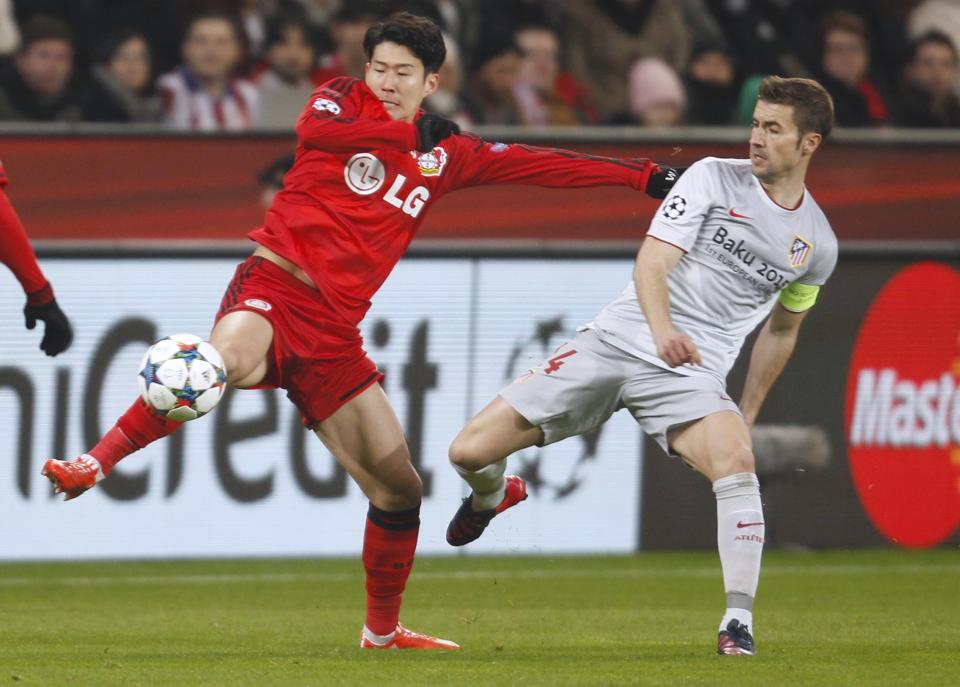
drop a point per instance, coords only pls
(737, 460)
(467, 452)
(400, 495)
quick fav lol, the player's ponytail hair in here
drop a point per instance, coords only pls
(419, 35)
(812, 105)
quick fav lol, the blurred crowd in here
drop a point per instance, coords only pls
(210, 65)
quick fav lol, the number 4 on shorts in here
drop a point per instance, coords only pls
(556, 361)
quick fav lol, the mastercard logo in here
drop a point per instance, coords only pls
(902, 417)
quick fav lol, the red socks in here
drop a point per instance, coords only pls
(136, 428)
(389, 545)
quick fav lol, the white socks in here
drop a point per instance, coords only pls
(489, 486)
(740, 532)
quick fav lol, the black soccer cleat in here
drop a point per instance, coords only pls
(736, 640)
(468, 524)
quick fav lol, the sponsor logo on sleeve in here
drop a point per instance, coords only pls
(800, 250)
(902, 414)
(324, 105)
(674, 207)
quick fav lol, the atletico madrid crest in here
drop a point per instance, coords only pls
(800, 251)
(431, 164)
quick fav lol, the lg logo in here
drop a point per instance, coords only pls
(364, 174)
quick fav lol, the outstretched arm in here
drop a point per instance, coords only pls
(654, 262)
(770, 353)
(483, 163)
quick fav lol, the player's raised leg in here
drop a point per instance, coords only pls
(367, 440)
(719, 447)
(242, 338)
(479, 455)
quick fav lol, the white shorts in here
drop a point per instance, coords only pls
(586, 380)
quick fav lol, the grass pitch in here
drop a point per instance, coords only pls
(844, 618)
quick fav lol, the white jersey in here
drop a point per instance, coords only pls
(741, 249)
(187, 107)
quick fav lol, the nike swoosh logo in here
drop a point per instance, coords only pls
(741, 525)
(737, 215)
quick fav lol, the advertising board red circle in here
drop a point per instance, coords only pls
(903, 407)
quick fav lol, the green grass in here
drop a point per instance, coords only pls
(843, 618)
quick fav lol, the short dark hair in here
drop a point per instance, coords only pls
(278, 27)
(419, 35)
(812, 105)
(214, 15)
(841, 20)
(43, 27)
(107, 50)
(934, 36)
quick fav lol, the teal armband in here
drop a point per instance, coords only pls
(799, 297)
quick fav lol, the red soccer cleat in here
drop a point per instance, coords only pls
(468, 524)
(402, 638)
(73, 477)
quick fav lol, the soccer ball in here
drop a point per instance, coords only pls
(182, 377)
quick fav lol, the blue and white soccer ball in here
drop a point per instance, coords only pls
(182, 377)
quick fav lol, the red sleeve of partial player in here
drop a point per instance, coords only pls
(337, 120)
(17, 254)
(499, 163)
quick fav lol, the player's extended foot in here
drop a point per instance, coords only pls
(736, 640)
(402, 638)
(468, 524)
(72, 477)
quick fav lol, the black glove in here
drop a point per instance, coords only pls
(58, 334)
(662, 180)
(433, 129)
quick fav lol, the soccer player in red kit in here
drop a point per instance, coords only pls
(16, 253)
(369, 163)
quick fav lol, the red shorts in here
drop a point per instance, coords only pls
(319, 360)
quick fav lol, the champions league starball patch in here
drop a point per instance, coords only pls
(431, 164)
(674, 207)
(799, 251)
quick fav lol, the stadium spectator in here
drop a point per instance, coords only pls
(859, 99)
(602, 39)
(928, 95)
(936, 15)
(537, 91)
(121, 89)
(285, 86)
(656, 94)
(17, 254)
(39, 87)
(202, 94)
(711, 85)
(347, 29)
(490, 97)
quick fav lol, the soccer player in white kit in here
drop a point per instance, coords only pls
(737, 242)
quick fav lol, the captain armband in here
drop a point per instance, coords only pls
(799, 297)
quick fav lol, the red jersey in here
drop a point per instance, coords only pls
(17, 254)
(359, 189)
